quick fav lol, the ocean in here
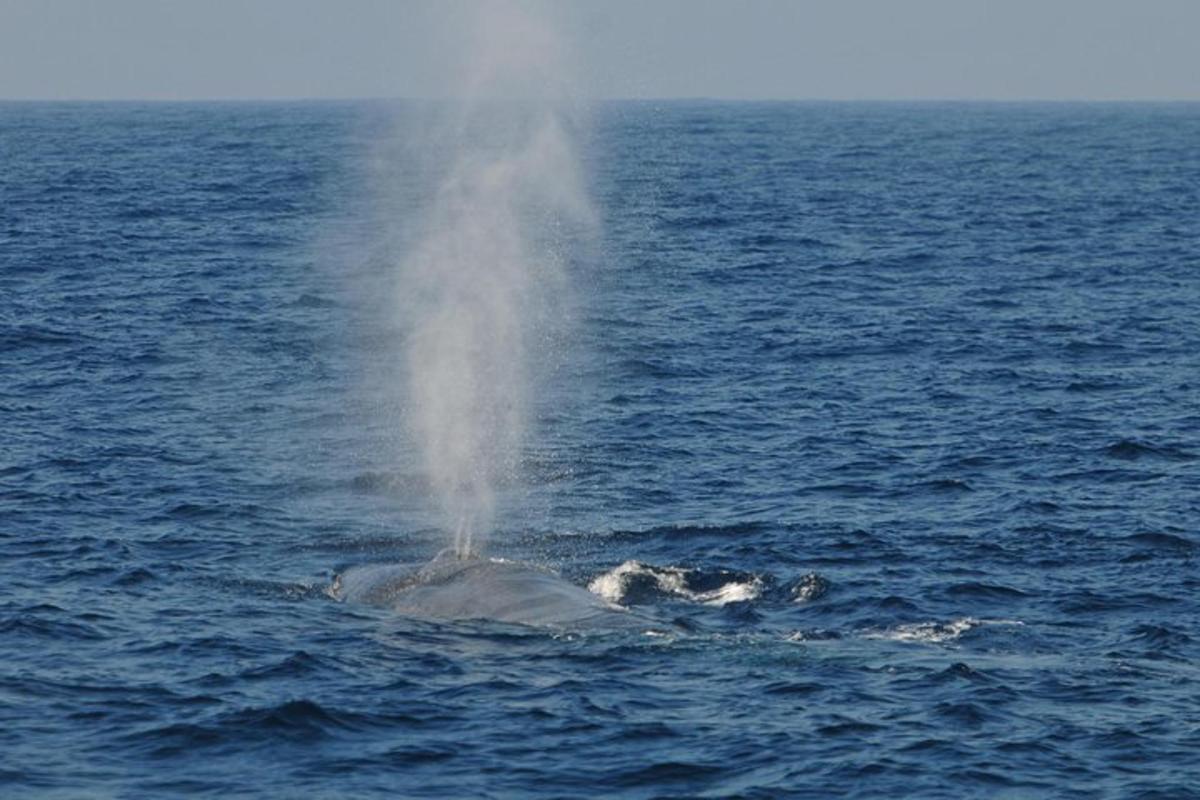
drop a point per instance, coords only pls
(887, 415)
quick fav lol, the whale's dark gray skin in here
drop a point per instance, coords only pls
(453, 587)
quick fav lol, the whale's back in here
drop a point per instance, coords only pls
(454, 588)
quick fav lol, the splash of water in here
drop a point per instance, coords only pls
(482, 284)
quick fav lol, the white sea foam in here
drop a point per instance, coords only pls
(617, 584)
(809, 588)
(934, 632)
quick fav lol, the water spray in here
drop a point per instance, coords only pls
(487, 271)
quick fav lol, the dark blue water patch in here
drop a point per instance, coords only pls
(32, 626)
(1130, 450)
(1168, 543)
(982, 590)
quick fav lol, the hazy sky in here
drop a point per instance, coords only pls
(841, 49)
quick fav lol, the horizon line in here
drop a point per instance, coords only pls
(661, 99)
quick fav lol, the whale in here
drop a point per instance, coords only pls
(456, 587)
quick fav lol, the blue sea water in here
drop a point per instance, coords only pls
(915, 388)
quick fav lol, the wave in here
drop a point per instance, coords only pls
(1133, 450)
(299, 720)
(1168, 542)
